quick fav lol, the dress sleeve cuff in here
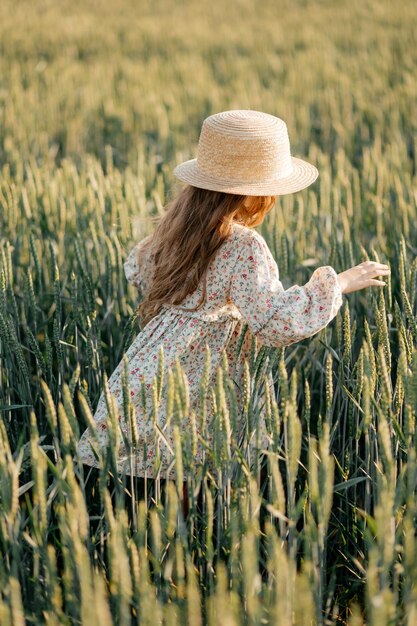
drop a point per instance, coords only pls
(327, 277)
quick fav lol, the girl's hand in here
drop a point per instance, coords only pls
(362, 275)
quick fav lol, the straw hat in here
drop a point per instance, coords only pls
(246, 152)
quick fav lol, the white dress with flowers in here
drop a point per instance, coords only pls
(243, 287)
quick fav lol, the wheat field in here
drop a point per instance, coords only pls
(98, 102)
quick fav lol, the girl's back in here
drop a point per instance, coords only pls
(244, 296)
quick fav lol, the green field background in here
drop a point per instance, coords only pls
(98, 102)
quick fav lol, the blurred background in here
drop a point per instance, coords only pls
(98, 102)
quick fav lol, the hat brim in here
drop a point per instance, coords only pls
(303, 175)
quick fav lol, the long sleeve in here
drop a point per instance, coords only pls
(137, 273)
(277, 316)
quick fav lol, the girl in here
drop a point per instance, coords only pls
(205, 273)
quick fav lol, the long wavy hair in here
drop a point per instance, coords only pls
(187, 236)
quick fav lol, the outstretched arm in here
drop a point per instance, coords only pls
(277, 316)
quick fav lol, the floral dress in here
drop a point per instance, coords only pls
(243, 289)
